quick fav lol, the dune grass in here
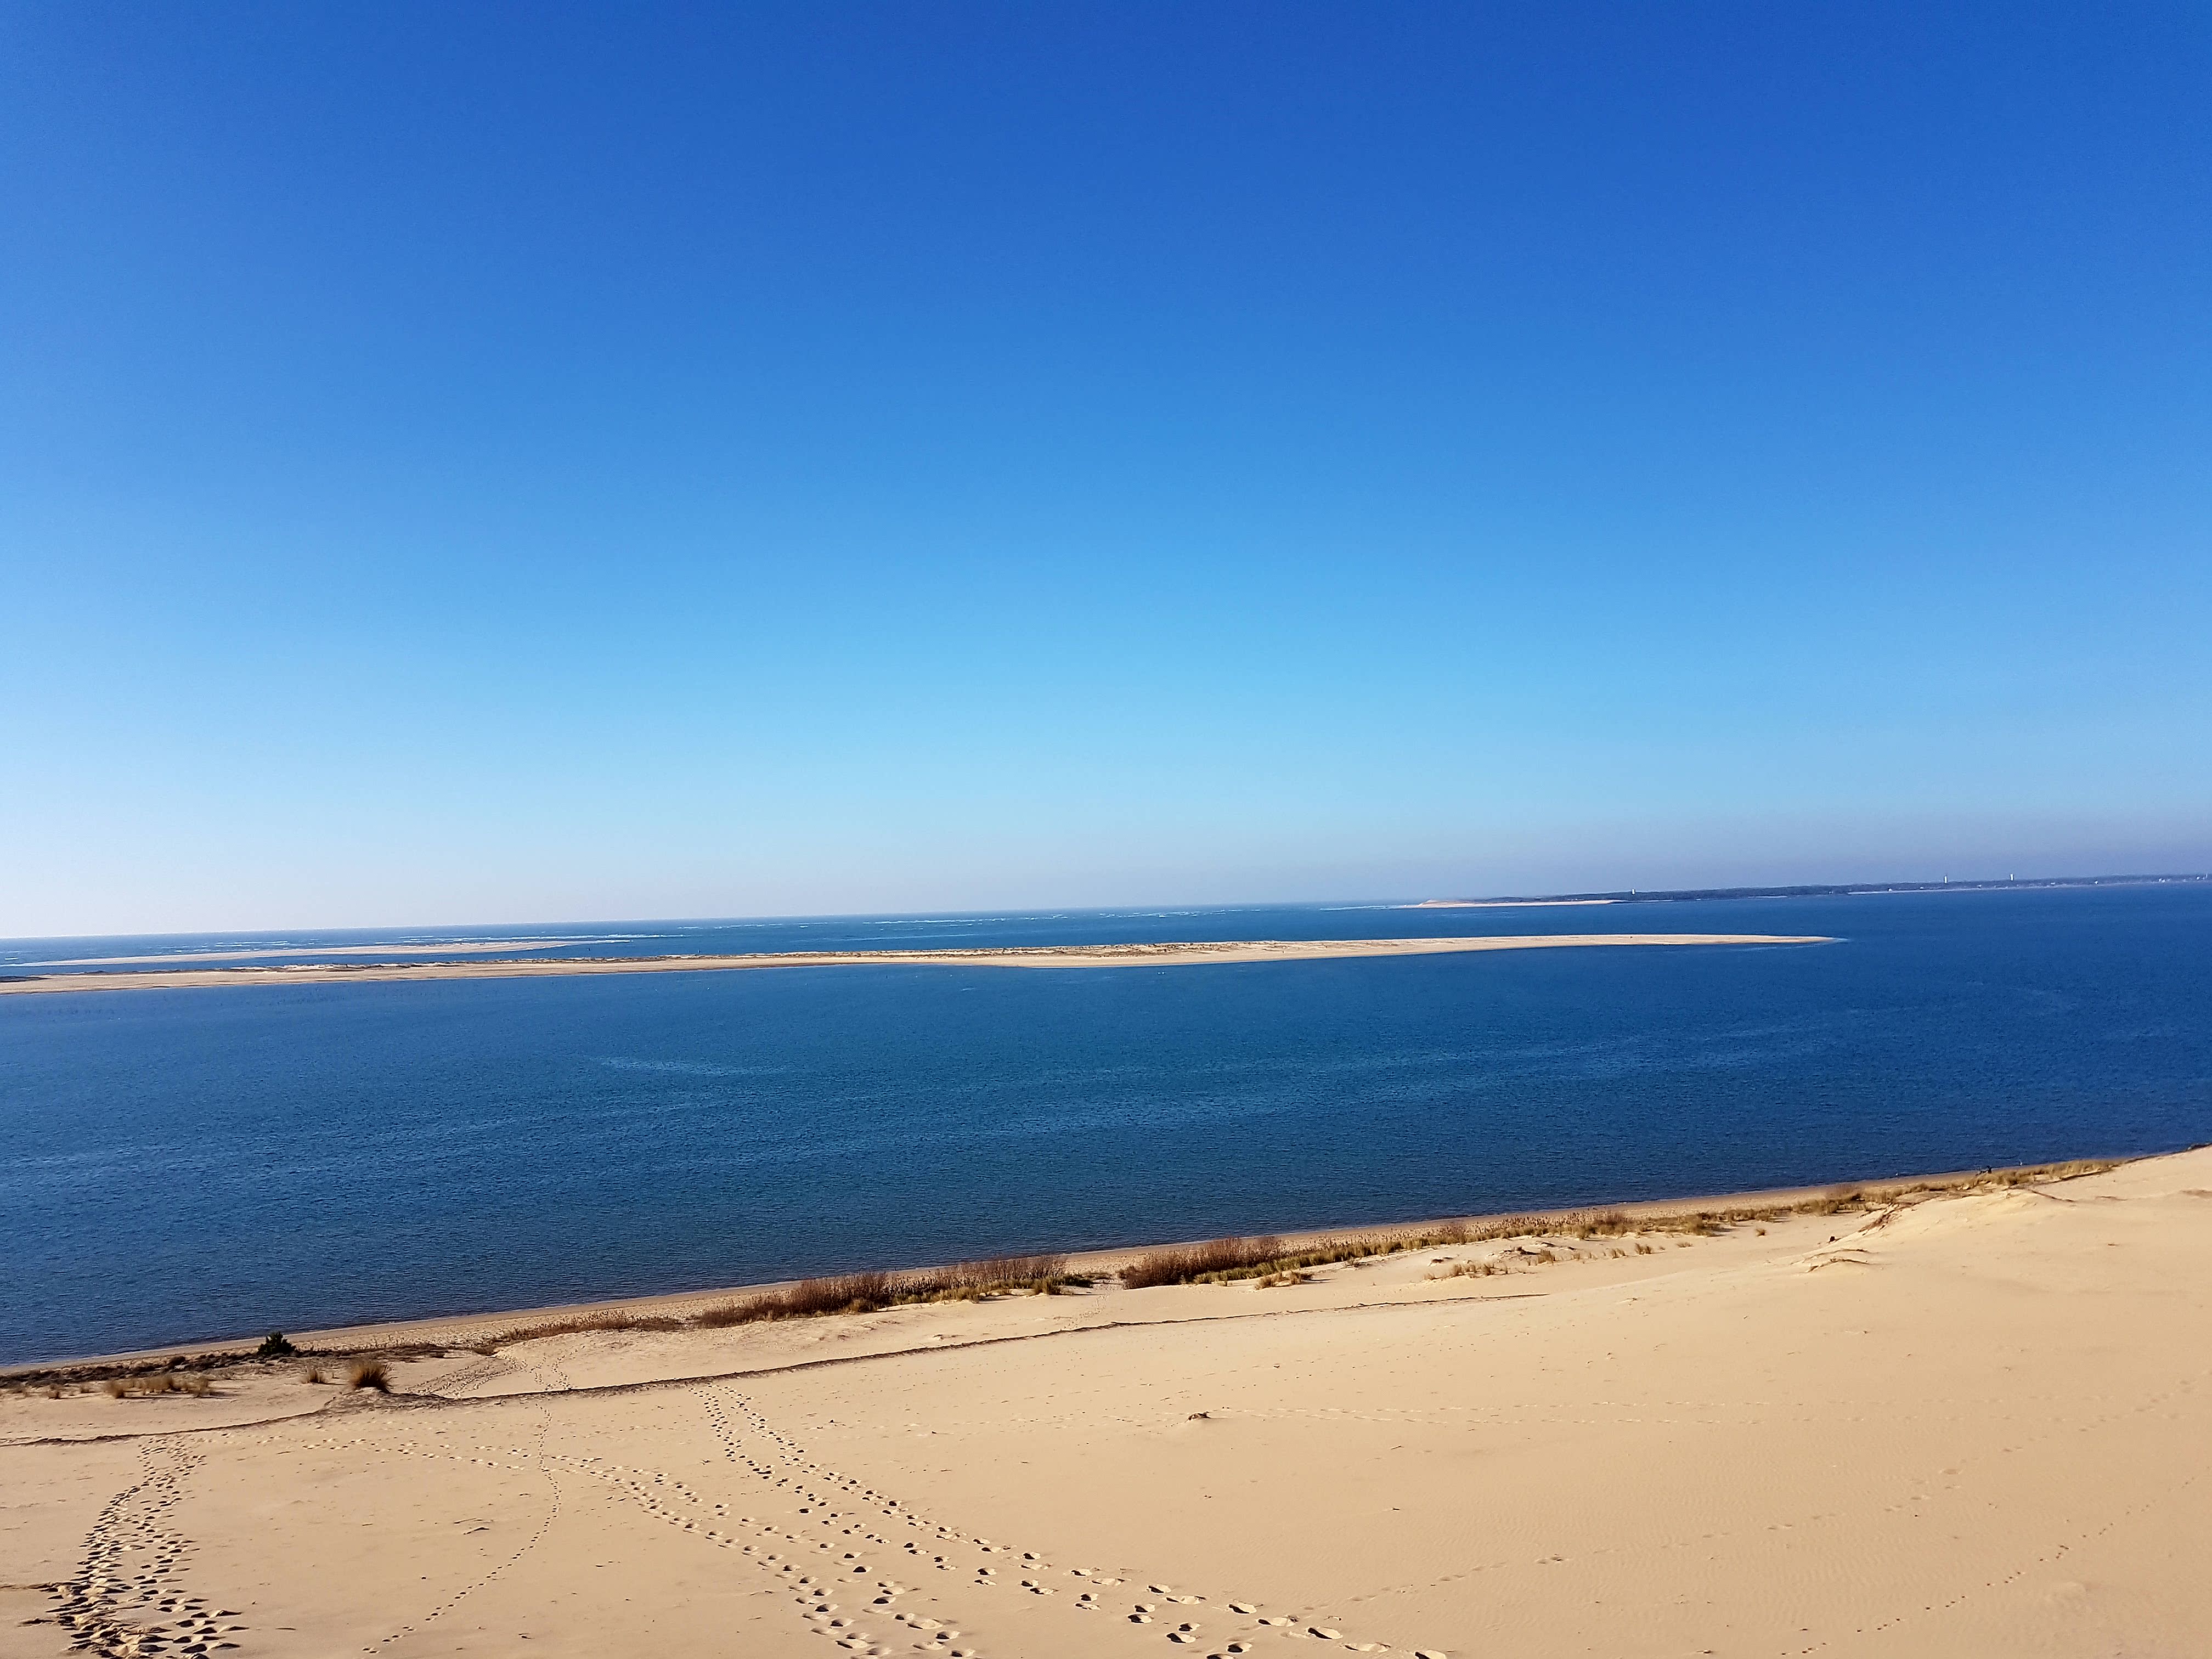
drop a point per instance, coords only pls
(612, 1321)
(369, 1373)
(870, 1292)
(191, 1383)
(836, 1293)
(1222, 1261)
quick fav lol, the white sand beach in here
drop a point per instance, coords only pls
(1043, 956)
(1967, 1423)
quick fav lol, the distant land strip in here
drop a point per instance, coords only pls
(1171, 954)
(1829, 889)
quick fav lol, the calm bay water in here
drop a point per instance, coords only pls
(180, 1165)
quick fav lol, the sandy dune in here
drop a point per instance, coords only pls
(1043, 956)
(1973, 1426)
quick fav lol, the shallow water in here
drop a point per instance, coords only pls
(177, 1165)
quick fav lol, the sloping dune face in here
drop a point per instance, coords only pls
(1972, 1426)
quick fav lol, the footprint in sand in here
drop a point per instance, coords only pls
(786, 1469)
(93, 1606)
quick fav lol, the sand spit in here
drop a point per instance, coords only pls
(1046, 956)
(1970, 1424)
(457, 948)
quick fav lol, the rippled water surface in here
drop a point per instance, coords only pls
(177, 1165)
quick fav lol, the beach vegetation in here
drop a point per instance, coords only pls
(275, 1345)
(872, 1293)
(369, 1373)
(613, 1320)
(1222, 1261)
(165, 1382)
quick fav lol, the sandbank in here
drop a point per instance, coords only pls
(458, 947)
(1968, 1426)
(1164, 955)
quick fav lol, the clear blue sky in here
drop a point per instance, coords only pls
(493, 463)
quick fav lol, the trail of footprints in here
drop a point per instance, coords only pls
(822, 1555)
(130, 1556)
(111, 1607)
(456, 1384)
(868, 1516)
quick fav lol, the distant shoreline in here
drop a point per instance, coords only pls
(1828, 890)
(1166, 955)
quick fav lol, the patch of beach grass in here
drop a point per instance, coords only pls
(369, 1373)
(578, 1322)
(1222, 1261)
(872, 1293)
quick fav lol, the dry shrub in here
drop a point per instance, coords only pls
(370, 1373)
(122, 1387)
(1834, 1201)
(870, 1292)
(314, 1374)
(1224, 1259)
(1179, 1264)
(1594, 1224)
(990, 1276)
(580, 1322)
(841, 1293)
(1473, 1270)
(730, 1313)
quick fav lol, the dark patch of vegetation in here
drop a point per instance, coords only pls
(598, 1322)
(275, 1345)
(870, 1292)
(369, 1373)
(1217, 1259)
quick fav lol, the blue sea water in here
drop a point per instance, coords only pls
(187, 1164)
